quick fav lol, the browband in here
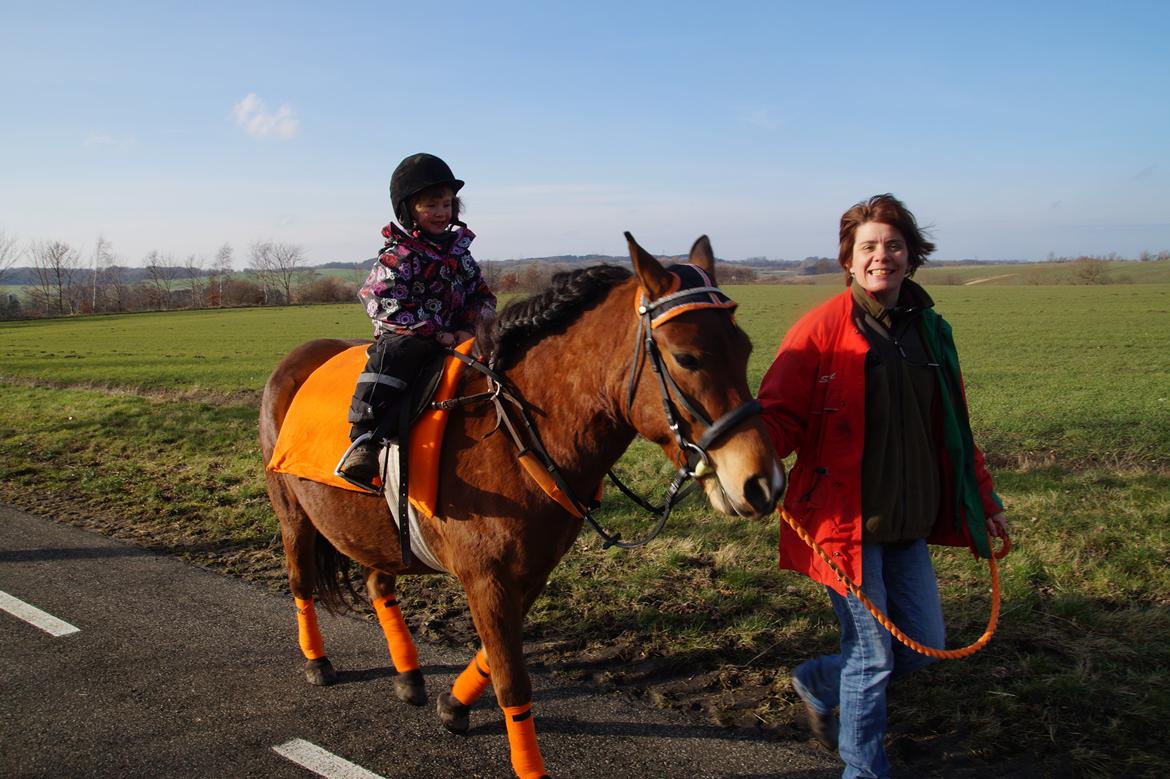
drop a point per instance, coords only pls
(693, 289)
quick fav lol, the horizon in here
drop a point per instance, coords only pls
(1014, 133)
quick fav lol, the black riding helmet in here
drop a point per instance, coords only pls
(414, 174)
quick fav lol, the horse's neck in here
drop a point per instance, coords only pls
(576, 382)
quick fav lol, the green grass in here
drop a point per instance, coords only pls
(1068, 373)
(226, 351)
(152, 418)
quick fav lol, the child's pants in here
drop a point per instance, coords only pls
(394, 362)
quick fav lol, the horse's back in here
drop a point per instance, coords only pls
(287, 378)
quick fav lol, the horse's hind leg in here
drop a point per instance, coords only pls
(408, 683)
(300, 538)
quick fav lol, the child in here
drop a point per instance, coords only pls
(425, 291)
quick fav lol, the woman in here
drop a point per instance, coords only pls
(866, 390)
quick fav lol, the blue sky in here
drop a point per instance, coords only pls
(1014, 129)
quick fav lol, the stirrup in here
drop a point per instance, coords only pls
(367, 488)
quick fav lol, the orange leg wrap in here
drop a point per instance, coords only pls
(473, 681)
(307, 631)
(526, 759)
(402, 649)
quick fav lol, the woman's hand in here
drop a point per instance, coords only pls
(997, 525)
(461, 336)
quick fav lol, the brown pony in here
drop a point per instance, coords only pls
(570, 354)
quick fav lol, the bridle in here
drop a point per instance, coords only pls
(693, 455)
(694, 289)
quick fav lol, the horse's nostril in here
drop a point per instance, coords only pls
(758, 492)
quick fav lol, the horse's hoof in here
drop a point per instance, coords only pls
(320, 672)
(409, 687)
(455, 716)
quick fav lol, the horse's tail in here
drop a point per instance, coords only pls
(334, 581)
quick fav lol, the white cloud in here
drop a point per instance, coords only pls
(102, 140)
(253, 115)
(761, 118)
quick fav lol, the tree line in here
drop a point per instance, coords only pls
(57, 280)
(53, 278)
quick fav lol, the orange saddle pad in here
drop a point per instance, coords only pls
(315, 433)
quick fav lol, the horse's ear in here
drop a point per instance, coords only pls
(703, 257)
(655, 279)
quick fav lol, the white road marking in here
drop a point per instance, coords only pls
(35, 617)
(320, 762)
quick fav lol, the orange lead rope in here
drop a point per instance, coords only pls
(941, 654)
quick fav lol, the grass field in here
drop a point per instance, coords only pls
(144, 426)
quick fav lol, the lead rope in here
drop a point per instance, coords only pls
(941, 654)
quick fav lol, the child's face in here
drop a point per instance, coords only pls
(432, 213)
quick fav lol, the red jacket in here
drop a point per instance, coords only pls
(814, 404)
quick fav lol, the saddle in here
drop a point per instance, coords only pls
(315, 431)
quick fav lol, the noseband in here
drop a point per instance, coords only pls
(693, 290)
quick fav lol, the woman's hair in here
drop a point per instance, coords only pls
(889, 210)
(436, 190)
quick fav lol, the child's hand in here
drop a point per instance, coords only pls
(461, 336)
(445, 339)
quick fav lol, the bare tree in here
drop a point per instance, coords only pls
(221, 271)
(55, 265)
(161, 272)
(103, 258)
(260, 264)
(116, 290)
(9, 252)
(195, 278)
(277, 266)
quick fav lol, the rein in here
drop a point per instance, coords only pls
(694, 461)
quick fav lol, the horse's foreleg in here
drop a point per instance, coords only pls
(498, 611)
(455, 706)
(408, 683)
(299, 538)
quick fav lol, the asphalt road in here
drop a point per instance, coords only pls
(176, 671)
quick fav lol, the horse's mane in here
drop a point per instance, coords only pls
(521, 321)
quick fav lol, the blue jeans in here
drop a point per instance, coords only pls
(900, 581)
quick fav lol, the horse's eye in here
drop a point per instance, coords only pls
(688, 362)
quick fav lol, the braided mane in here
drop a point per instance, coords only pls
(523, 321)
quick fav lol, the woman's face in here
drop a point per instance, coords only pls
(880, 261)
(432, 212)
